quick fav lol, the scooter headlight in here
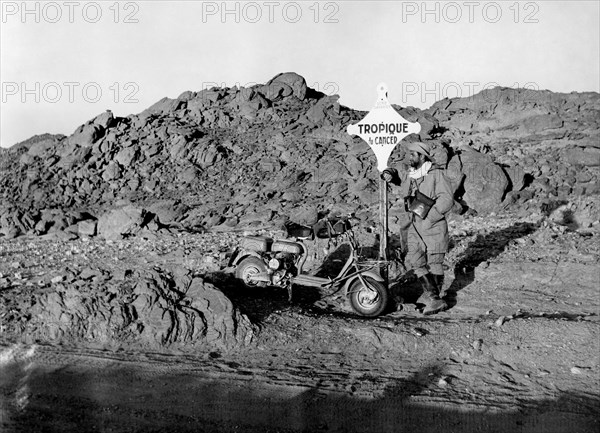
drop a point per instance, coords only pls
(274, 264)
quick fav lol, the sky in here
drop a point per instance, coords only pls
(64, 62)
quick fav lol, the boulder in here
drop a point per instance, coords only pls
(165, 106)
(427, 121)
(454, 173)
(206, 156)
(517, 177)
(10, 231)
(354, 165)
(168, 211)
(121, 222)
(111, 172)
(162, 311)
(485, 182)
(439, 153)
(296, 82)
(258, 218)
(87, 227)
(542, 123)
(330, 172)
(249, 107)
(276, 91)
(87, 134)
(41, 147)
(126, 156)
(590, 156)
(305, 214)
(188, 174)
(105, 120)
(187, 95)
(322, 108)
(26, 159)
(210, 96)
(244, 94)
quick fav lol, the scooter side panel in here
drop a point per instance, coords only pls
(287, 247)
(256, 243)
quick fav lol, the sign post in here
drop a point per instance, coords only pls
(383, 128)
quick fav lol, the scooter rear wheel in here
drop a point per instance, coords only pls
(368, 301)
(249, 267)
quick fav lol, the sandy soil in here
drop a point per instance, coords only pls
(517, 352)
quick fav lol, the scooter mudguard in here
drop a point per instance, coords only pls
(233, 257)
(239, 255)
(369, 274)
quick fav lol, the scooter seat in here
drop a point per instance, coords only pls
(299, 231)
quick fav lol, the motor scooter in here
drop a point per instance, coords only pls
(260, 261)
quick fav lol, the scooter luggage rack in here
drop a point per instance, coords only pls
(373, 262)
(368, 264)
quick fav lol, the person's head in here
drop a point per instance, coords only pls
(418, 154)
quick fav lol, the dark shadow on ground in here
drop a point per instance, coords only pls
(483, 248)
(128, 398)
(258, 303)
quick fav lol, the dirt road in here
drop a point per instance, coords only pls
(517, 352)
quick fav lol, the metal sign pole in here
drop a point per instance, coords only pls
(383, 219)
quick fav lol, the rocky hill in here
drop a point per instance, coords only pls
(238, 158)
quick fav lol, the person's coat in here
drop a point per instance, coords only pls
(433, 230)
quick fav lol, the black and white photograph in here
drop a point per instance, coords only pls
(299, 216)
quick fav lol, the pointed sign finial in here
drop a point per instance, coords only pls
(382, 92)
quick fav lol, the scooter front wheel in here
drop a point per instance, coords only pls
(249, 267)
(368, 301)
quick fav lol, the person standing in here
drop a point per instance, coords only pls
(428, 239)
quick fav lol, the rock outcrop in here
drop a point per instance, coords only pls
(148, 309)
(238, 158)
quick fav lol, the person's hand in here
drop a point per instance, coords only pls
(387, 175)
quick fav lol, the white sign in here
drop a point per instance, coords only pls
(383, 128)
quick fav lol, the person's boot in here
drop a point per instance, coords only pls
(439, 282)
(431, 295)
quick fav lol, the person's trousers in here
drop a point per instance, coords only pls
(420, 260)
